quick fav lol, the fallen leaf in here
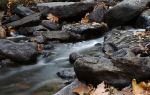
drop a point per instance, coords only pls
(141, 88)
(52, 18)
(85, 20)
(100, 90)
(83, 89)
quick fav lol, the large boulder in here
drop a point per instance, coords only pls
(118, 72)
(66, 9)
(124, 12)
(18, 52)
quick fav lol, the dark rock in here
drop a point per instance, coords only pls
(109, 48)
(18, 52)
(97, 14)
(8, 19)
(73, 57)
(124, 12)
(31, 30)
(50, 25)
(56, 35)
(66, 74)
(143, 20)
(22, 11)
(124, 52)
(85, 31)
(18, 38)
(31, 20)
(66, 9)
(118, 72)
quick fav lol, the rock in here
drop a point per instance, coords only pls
(2, 33)
(50, 25)
(18, 38)
(66, 74)
(68, 90)
(109, 48)
(66, 9)
(73, 57)
(143, 20)
(86, 31)
(8, 19)
(124, 12)
(22, 11)
(18, 52)
(31, 30)
(117, 72)
(40, 39)
(97, 14)
(56, 35)
(31, 20)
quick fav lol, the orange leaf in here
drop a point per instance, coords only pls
(83, 89)
(52, 18)
(141, 88)
(85, 20)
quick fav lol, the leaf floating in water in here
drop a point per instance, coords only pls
(52, 18)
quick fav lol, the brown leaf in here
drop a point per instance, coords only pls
(100, 90)
(52, 18)
(83, 89)
(85, 20)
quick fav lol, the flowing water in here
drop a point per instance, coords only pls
(24, 80)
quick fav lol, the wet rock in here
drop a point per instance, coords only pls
(22, 11)
(50, 25)
(66, 74)
(85, 31)
(124, 12)
(2, 33)
(118, 72)
(40, 39)
(31, 30)
(18, 38)
(8, 19)
(73, 57)
(18, 52)
(31, 20)
(143, 20)
(97, 14)
(66, 9)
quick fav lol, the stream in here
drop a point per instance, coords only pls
(41, 78)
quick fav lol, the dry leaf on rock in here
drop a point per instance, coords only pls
(52, 18)
(85, 20)
(141, 88)
(83, 89)
(100, 90)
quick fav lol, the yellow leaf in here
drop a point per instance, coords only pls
(141, 88)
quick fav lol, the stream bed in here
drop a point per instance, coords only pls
(41, 78)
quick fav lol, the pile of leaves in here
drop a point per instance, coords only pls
(102, 89)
